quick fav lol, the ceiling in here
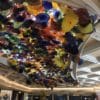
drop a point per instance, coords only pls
(10, 79)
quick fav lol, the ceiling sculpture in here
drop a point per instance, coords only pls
(40, 39)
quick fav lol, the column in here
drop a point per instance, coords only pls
(14, 95)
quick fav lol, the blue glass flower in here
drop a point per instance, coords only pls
(57, 14)
(47, 5)
(42, 19)
(94, 18)
(69, 37)
(19, 18)
(80, 61)
(72, 48)
(71, 45)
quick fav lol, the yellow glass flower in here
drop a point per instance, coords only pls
(88, 29)
(33, 9)
(58, 61)
(63, 8)
(55, 5)
(69, 21)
